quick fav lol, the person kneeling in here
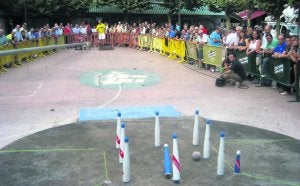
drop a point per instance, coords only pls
(233, 70)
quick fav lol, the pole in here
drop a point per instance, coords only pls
(25, 11)
(179, 16)
(33, 49)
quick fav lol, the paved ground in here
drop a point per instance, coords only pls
(85, 154)
(48, 93)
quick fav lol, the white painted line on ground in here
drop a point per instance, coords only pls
(24, 96)
(114, 98)
(62, 122)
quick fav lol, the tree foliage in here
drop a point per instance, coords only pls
(274, 7)
(228, 6)
(37, 8)
(175, 6)
(126, 5)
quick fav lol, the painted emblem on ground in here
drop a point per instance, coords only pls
(125, 78)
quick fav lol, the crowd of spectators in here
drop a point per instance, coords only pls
(263, 42)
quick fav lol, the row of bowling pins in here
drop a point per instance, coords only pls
(123, 146)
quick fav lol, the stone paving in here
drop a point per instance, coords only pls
(47, 93)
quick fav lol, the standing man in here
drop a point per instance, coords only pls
(3, 39)
(101, 32)
(215, 37)
(67, 33)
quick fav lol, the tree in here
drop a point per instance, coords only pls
(175, 6)
(228, 6)
(127, 6)
(37, 8)
(275, 7)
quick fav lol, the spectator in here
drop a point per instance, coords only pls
(18, 35)
(231, 38)
(267, 30)
(24, 27)
(280, 47)
(61, 29)
(177, 27)
(88, 27)
(254, 49)
(294, 54)
(202, 40)
(283, 89)
(55, 33)
(23, 34)
(94, 30)
(267, 52)
(76, 29)
(215, 38)
(204, 30)
(67, 33)
(233, 70)
(119, 27)
(171, 33)
(35, 34)
(83, 28)
(30, 35)
(249, 33)
(41, 33)
(3, 39)
(47, 31)
(101, 31)
(184, 35)
(243, 43)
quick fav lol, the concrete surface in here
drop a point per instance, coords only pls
(47, 93)
(85, 154)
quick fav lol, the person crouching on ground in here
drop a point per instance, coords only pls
(233, 70)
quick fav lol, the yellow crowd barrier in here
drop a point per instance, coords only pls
(174, 48)
(15, 60)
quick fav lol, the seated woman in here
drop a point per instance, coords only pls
(233, 70)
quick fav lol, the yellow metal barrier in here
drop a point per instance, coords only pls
(177, 49)
(15, 60)
(180, 50)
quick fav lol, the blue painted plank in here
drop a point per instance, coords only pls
(94, 114)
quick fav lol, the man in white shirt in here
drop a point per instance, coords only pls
(267, 30)
(231, 38)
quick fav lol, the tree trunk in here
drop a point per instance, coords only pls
(249, 18)
(125, 16)
(227, 22)
(169, 18)
(277, 25)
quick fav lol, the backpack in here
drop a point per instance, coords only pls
(220, 82)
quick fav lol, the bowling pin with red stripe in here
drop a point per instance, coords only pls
(237, 164)
(122, 138)
(175, 160)
(118, 131)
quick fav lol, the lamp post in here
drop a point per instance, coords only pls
(179, 16)
(25, 11)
